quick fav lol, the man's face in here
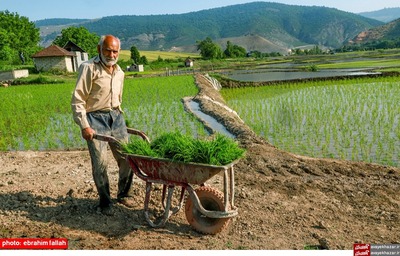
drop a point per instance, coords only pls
(109, 51)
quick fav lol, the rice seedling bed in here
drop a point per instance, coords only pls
(356, 119)
(39, 117)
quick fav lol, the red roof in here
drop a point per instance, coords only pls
(53, 51)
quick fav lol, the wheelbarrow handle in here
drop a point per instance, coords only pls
(109, 138)
(105, 138)
(139, 133)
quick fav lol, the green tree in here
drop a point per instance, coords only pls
(81, 37)
(234, 51)
(17, 35)
(135, 55)
(208, 49)
(143, 60)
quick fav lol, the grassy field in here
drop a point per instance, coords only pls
(154, 55)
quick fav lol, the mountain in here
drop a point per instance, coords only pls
(384, 15)
(386, 32)
(262, 26)
(51, 28)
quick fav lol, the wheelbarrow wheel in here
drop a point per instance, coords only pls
(212, 200)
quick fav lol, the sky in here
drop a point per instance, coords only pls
(91, 9)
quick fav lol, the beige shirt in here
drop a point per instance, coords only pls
(96, 89)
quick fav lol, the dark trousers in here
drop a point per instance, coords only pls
(109, 123)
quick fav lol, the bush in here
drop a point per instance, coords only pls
(38, 80)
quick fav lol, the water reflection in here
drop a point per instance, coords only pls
(211, 121)
(264, 75)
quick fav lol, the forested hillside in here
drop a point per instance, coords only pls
(384, 15)
(261, 26)
(381, 37)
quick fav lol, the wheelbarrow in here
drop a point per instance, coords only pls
(207, 209)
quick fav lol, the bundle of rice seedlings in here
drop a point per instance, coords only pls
(139, 147)
(220, 150)
(175, 146)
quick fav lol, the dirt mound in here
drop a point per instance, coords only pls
(285, 201)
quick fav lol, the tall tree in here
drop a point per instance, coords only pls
(209, 50)
(17, 35)
(81, 37)
(234, 51)
(135, 55)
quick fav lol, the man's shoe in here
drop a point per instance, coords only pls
(108, 210)
(127, 201)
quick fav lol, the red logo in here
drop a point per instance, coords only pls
(362, 250)
(34, 243)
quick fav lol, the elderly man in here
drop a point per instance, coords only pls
(96, 107)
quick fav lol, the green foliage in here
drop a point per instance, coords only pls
(372, 45)
(38, 116)
(182, 148)
(143, 60)
(161, 63)
(219, 151)
(260, 55)
(81, 37)
(58, 22)
(312, 68)
(349, 119)
(139, 147)
(27, 113)
(311, 247)
(208, 49)
(17, 35)
(135, 55)
(386, 36)
(175, 146)
(294, 25)
(136, 58)
(234, 51)
(37, 80)
(313, 51)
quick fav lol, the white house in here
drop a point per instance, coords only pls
(189, 63)
(80, 54)
(54, 57)
(135, 67)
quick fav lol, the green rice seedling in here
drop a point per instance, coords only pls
(38, 117)
(175, 146)
(202, 150)
(139, 147)
(340, 119)
(220, 150)
(154, 105)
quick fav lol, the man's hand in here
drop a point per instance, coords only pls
(88, 133)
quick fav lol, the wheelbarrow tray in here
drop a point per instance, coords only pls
(168, 170)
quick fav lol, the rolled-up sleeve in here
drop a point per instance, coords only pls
(81, 94)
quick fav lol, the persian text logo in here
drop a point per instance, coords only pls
(362, 249)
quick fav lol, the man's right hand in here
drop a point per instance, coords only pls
(88, 133)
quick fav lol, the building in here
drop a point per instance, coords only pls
(189, 63)
(80, 55)
(54, 57)
(135, 67)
